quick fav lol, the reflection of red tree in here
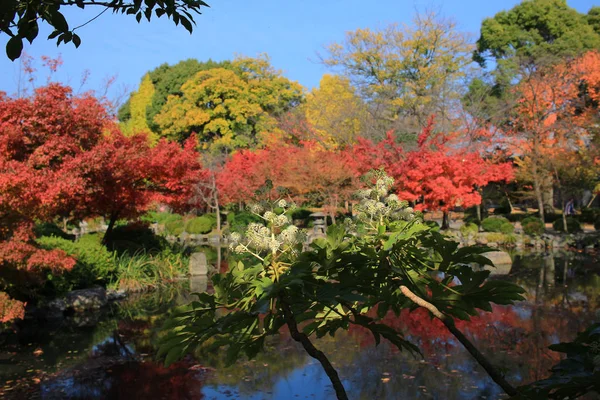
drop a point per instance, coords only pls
(505, 333)
(151, 380)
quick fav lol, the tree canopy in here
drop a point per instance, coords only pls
(229, 108)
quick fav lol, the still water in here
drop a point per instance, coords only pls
(110, 355)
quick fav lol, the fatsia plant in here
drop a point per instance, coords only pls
(344, 279)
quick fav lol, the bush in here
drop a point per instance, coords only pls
(469, 229)
(201, 225)
(174, 225)
(239, 221)
(95, 264)
(589, 215)
(532, 226)
(497, 224)
(134, 237)
(572, 225)
(50, 229)
(552, 217)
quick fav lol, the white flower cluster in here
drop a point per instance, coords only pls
(377, 203)
(276, 220)
(262, 238)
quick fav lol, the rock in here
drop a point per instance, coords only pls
(499, 257)
(86, 299)
(184, 237)
(481, 240)
(56, 308)
(198, 264)
(493, 245)
(114, 295)
(198, 284)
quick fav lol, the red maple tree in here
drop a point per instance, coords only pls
(62, 156)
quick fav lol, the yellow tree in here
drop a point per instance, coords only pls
(135, 121)
(230, 108)
(335, 111)
(406, 73)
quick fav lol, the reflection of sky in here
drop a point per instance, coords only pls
(306, 382)
(125, 351)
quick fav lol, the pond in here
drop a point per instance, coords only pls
(109, 355)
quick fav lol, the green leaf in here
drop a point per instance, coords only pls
(76, 40)
(186, 24)
(58, 21)
(14, 47)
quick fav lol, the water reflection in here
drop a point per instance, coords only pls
(114, 359)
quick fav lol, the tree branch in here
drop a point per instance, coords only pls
(312, 350)
(449, 323)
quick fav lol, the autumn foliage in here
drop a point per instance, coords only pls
(62, 156)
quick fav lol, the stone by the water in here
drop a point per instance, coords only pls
(198, 264)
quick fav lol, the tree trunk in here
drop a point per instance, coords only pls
(510, 206)
(312, 351)
(540, 199)
(218, 211)
(107, 238)
(445, 220)
(478, 209)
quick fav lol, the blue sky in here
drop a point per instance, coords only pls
(291, 32)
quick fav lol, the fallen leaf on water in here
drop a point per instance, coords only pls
(385, 380)
(38, 352)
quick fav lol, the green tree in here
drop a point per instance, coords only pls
(593, 18)
(533, 32)
(406, 73)
(168, 79)
(20, 19)
(230, 108)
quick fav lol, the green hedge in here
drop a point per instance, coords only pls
(239, 221)
(532, 226)
(201, 225)
(497, 224)
(572, 225)
(95, 264)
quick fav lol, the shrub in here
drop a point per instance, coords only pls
(590, 215)
(201, 225)
(497, 224)
(95, 264)
(134, 237)
(507, 228)
(552, 217)
(174, 225)
(510, 239)
(239, 221)
(496, 237)
(572, 225)
(50, 229)
(469, 229)
(532, 226)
